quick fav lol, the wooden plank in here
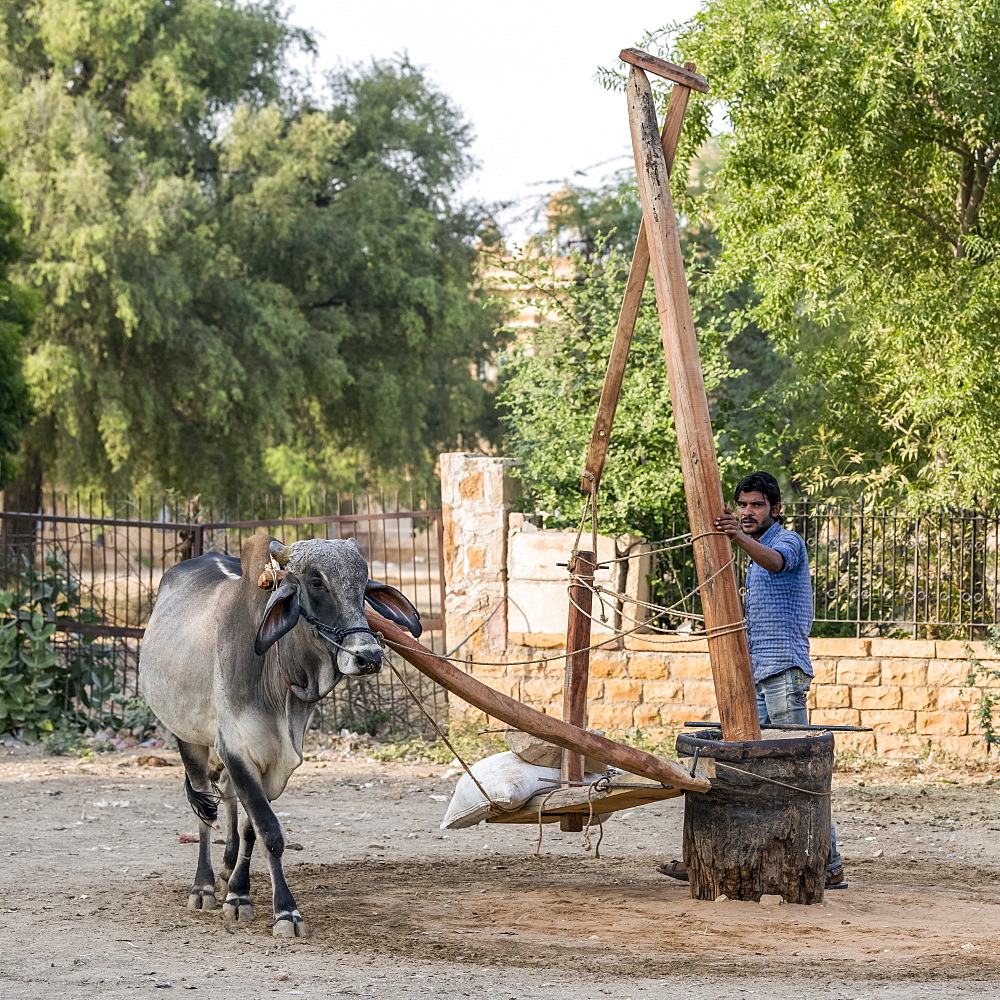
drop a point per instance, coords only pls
(574, 801)
(500, 706)
(600, 439)
(577, 673)
(668, 70)
(727, 643)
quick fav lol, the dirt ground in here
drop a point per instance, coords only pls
(94, 882)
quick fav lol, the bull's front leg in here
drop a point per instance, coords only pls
(261, 822)
(231, 852)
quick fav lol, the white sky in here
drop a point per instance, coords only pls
(521, 71)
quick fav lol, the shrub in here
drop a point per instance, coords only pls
(46, 681)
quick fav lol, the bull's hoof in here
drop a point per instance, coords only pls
(202, 899)
(290, 929)
(237, 908)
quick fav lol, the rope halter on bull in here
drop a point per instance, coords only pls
(270, 578)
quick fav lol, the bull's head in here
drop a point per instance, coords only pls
(327, 584)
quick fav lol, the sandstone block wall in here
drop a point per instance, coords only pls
(912, 702)
(505, 591)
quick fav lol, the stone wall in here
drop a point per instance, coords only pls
(504, 587)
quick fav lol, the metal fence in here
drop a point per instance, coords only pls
(877, 571)
(93, 565)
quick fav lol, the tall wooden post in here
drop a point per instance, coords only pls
(727, 643)
(629, 312)
(581, 599)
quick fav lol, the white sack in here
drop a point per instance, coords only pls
(509, 781)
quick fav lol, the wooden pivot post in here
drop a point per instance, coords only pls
(636, 282)
(581, 600)
(727, 642)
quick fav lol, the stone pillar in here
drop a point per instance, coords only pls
(477, 494)
(636, 574)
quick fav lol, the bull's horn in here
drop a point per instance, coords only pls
(280, 553)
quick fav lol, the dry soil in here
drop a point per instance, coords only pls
(94, 880)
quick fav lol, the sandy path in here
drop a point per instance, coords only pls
(94, 882)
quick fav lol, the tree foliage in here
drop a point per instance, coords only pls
(551, 381)
(15, 320)
(239, 286)
(859, 196)
(551, 384)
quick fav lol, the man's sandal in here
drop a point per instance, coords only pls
(675, 870)
(836, 879)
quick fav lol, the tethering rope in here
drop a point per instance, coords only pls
(668, 635)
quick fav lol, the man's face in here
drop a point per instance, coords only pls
(755, 513)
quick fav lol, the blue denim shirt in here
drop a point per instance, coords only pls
(779, 607)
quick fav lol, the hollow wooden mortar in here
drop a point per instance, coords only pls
(748, 837)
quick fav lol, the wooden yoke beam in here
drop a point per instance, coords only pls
(727, 641)
(545, 727)
(634, 285)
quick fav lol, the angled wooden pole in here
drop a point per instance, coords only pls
(636, 282)
(528, 720)
(727, 641)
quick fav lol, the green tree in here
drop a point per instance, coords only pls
(551, 382)
(858, 196)
(238, 288)
(383, 262)
(15, 320)
(604, 219)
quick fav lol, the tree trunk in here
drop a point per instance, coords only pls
(22, 494)
(750, 837)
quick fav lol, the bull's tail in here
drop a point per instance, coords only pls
(204, 804)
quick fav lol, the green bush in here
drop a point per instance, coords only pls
(46, 681)
(982, 673)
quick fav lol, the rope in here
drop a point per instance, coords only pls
(590, 818)
(579, 531)
(773, 781)
(711, 633)
(447, 742)
(667, 634)
(665, 548)
(714, 632)
(541, 808)
(482, 625)
(587, 844)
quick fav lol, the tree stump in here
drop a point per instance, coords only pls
(750, 837)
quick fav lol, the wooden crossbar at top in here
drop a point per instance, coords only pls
(668, 70)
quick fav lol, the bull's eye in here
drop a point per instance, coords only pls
(316, 584)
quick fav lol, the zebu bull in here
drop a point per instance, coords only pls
(238, 700)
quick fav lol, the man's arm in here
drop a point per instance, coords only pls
(771, 559)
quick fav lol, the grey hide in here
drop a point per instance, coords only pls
(240, 717)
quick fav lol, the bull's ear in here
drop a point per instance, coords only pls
(280, 616)
(391, 604)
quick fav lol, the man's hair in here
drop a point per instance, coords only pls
(760, 482)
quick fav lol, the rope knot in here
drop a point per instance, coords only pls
(270, 578)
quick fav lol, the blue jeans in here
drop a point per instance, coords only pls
(782, 698)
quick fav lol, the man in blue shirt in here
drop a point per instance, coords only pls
(779, 599)
(779, 616)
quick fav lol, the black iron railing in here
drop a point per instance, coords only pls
(876, 571)
(98, 560)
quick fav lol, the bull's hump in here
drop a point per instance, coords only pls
(255, 555)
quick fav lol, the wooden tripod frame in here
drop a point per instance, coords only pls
(658, 245)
